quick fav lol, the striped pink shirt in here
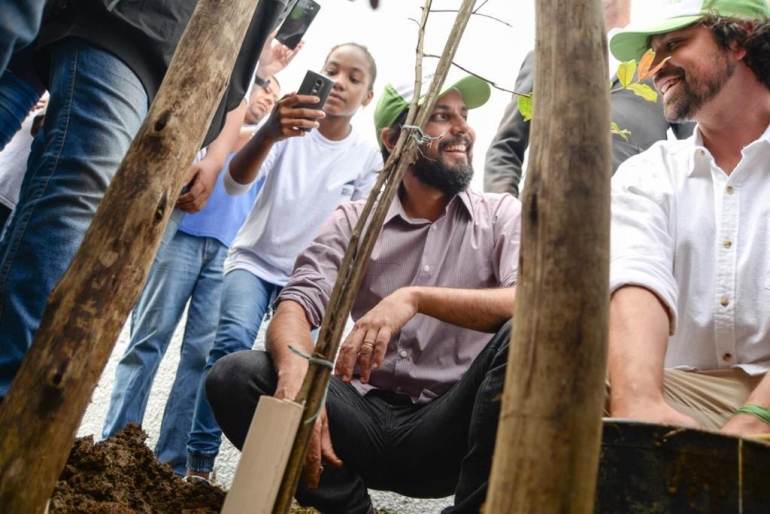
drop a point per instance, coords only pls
(474, 245)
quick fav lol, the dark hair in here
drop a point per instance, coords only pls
(751, 35)
(393, 134)
(367, 54)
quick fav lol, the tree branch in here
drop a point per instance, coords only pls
(494, 85)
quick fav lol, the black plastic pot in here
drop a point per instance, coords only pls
(647, 468)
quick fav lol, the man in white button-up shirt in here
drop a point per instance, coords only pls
(690, 268)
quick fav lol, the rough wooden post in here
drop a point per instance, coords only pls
(87, 309)
(548, 440)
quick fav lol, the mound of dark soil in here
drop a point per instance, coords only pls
(121, 475)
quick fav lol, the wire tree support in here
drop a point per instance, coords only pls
(548, 440)
(87, 309)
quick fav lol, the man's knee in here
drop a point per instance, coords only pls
(233, 388)
(248, 373)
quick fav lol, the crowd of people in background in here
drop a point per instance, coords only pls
(272, 198)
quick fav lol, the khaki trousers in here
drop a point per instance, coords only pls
(709, 397)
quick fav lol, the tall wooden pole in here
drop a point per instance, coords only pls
(548, 439)
(87, 309)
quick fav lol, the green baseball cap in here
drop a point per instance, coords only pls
(396, 98)
(631, 42)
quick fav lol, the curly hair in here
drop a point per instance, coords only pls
(751, 35)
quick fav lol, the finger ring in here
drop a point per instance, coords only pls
(320, 469)
(370, 345)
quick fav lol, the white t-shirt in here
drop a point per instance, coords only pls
(700, 240)
(13, 162)
(306, 178)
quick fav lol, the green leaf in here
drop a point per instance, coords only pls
(525, 106)
(624, 133)
(644, 91)
(626, 72)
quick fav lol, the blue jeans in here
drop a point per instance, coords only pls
(190, 268)
(245, 300)
(97, 105)
(17, 97)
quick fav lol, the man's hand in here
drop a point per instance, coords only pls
(367, 343)
(286, 120)
(275, 56)
(319, 450)
(654, 412)
(201, 177)
(743, 424)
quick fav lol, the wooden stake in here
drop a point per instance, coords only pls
(356, 258)
(265, 453)
(547, 448)
(87, 309)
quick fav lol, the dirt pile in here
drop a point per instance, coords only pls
(121, 475)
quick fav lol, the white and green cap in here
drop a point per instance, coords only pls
(632, 41)
(397, 97)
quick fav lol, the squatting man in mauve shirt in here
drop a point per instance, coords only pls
(413, 407)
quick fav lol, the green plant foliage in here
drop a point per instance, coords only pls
(644, 91)
(624, 133)
(525, 106)
(626, 72)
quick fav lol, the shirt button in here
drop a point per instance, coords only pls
(730, 190)
(727, 357)
(727, 243)
(701, 152)
(433, 227)
(402, 353)
(427, 268)
(724, 301)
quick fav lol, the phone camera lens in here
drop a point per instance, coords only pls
(319, 82)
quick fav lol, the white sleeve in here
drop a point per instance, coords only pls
(365, 180)
(642, 238)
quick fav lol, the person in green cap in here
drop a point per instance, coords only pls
(414, 402)
(690, 248)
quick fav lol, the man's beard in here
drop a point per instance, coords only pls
(450, 180)
(695, 92)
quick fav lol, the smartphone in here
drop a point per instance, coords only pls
(297, 22)
(317, 85)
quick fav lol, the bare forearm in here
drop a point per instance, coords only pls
(746, 424)
(638, 338)
(289, 327)
(485, 310)
(245, 165)
(221, 147)
(761, 394)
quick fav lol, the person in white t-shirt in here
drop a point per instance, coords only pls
(13, 160)
(689, 340)
(311, 161)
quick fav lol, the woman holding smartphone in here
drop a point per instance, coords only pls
(312, 161)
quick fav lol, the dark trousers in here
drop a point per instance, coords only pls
(385, 441)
